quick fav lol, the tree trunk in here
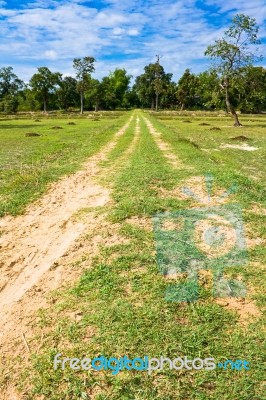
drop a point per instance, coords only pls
(97, 106)
(45, 105)
(152, 103)
(81, 102)
(156, 101)
(229, 106)
(182, 107)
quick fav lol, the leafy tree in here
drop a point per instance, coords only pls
(232, 53)
(252, 89)
(113, 88)
(131, 99)
(83, 67)
(67, 95)
(9, 104)
(187, 89)
(44, 83)
(28, 101)
(168, 97)
(209, 91)
(151, 84)
(95, 93)
(10, 86)
(119, 84)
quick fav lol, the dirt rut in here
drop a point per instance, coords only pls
(163, 146)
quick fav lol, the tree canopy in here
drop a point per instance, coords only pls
(232, 53)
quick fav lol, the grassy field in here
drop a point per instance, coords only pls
(28, 163)
(118, 305)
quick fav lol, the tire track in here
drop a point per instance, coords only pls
(30, 244)
(163, 146)
(123, 158)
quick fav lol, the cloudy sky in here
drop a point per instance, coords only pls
(118, 33)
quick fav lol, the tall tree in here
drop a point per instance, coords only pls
(209, 91)
(9, 82)
(95, 93)
(252, 89)
(233, 52)
(67, 95)
(10, 86)
(118, 85)
(187, 89)
(43, 83)
(84, 68)
(152, 83)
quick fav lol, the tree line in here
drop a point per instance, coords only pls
(232, 82)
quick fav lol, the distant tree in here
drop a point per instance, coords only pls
(10, 86)
(232, 53)
(119, 84)
(67, 95)
(209, 91)
(28, 101)
(252, 89)
(43, 83)
(168, 97)
(113, 88)
(84, 68)
(95, 93)
(187, 89)
(131, 99)
(151, 84)
(9, 104)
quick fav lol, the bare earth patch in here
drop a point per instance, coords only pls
(195, 188)
(141, 222)
(246, 309)
(243, 146)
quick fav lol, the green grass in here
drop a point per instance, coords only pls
(28, 164)
(120, 298)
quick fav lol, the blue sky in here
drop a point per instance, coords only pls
(118, 33)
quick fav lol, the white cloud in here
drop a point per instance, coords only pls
(130, 33)
(133, 32)
(50, 54)
(118, 31)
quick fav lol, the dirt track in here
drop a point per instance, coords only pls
(30, 244)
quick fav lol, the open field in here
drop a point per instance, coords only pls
(78, 254)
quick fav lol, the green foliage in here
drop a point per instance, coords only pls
(66, 93)
(233, 52)
(187, 89)
(232, 82)
(43, 83)
(10, 84)
(84, 68)
(151, 83)
(9, 104)
(251, 89)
